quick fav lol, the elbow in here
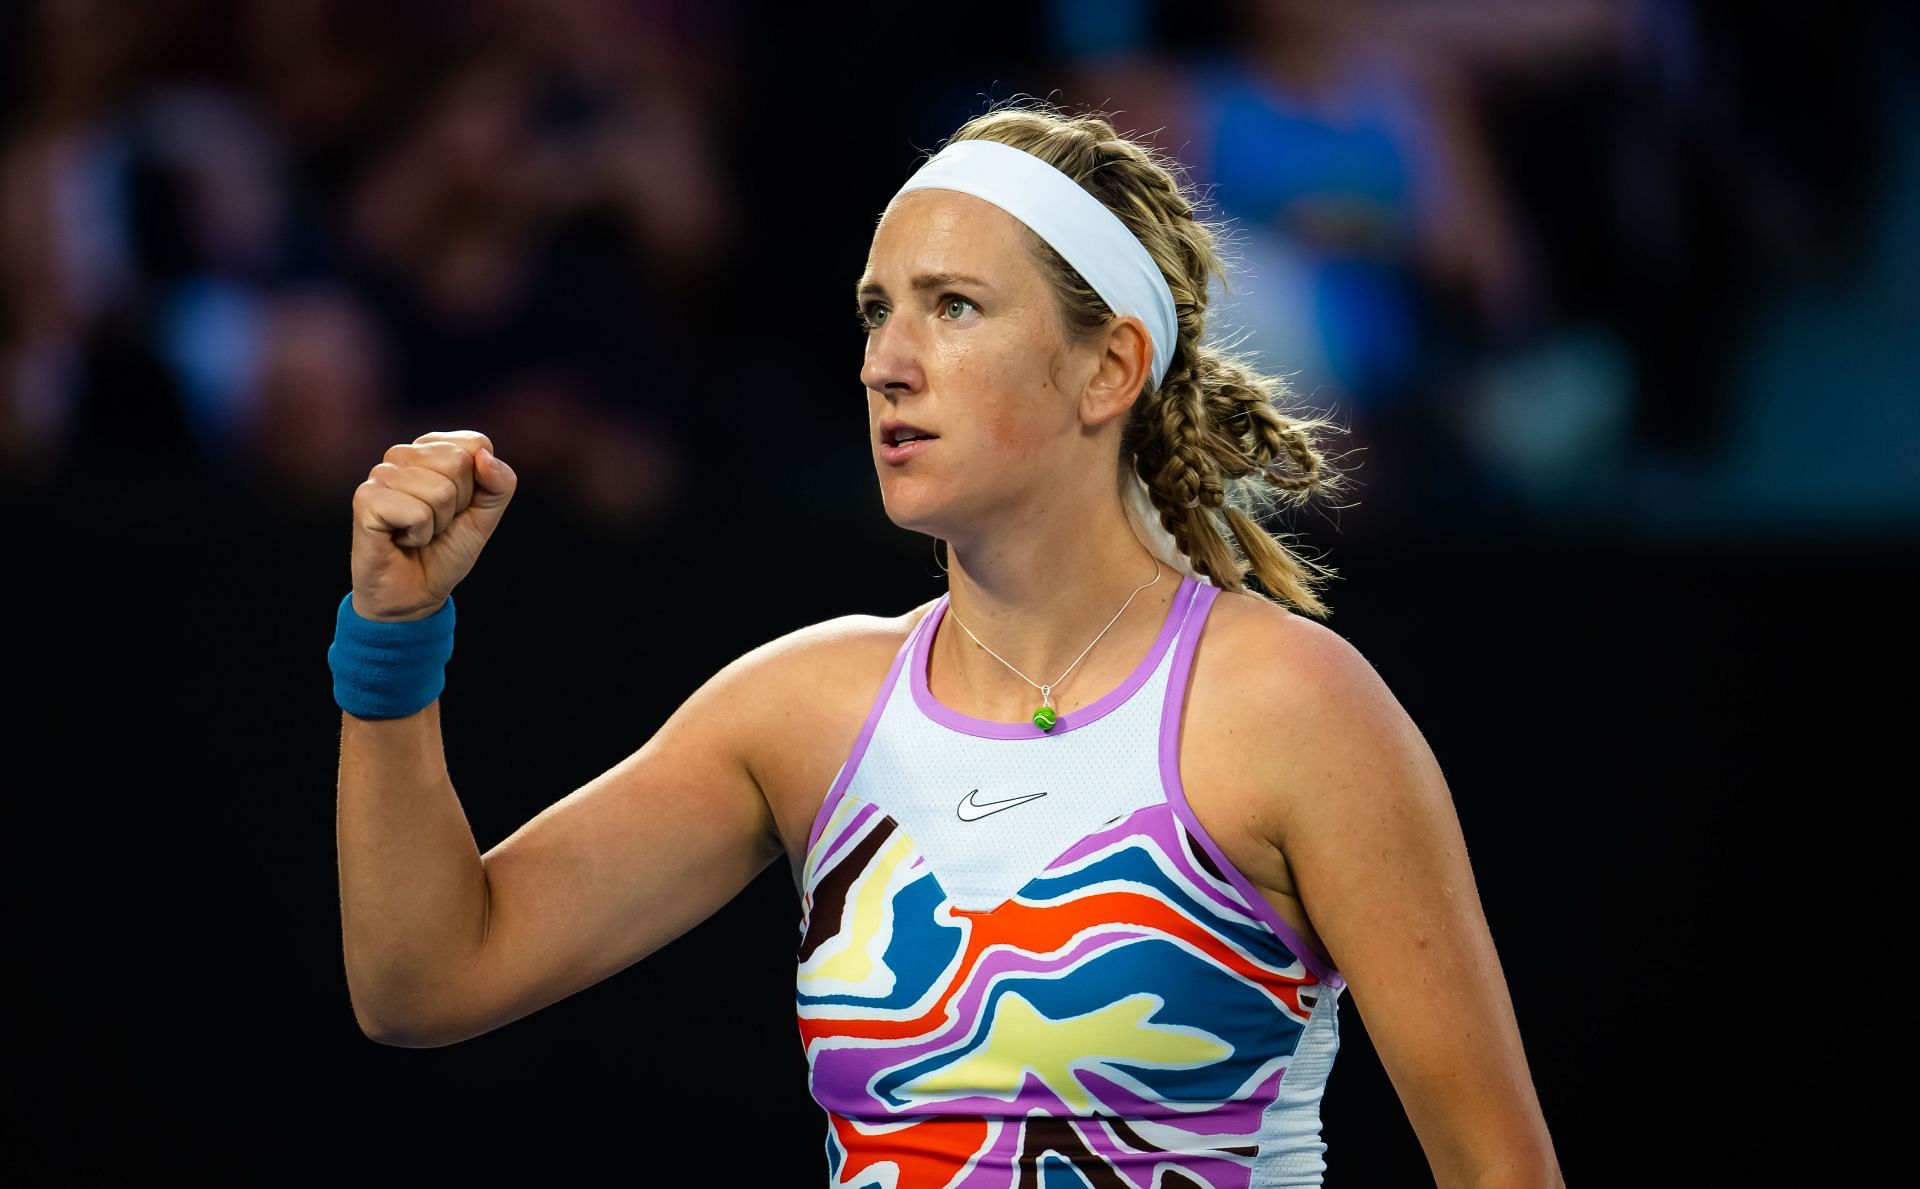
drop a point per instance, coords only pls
(1522, 1170)
(408, 1010)
(394, 1031)
(399, 1008)
(1540, 1168)
(398, 1037)
(1547, 1176)
(377, 1029)
(415, 1030)
(1513, 1159)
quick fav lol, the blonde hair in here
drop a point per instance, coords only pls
(1212, 442)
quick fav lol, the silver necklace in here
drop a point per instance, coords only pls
(1045, 716)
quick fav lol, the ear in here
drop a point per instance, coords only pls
(1125, 362)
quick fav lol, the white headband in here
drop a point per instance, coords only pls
(1077, 225)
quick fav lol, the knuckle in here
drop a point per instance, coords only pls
(448, 437)
(437, 456)
(445, 498)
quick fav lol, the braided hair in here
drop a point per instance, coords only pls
(1213, 442)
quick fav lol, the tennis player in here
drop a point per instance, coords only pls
(1089, 849)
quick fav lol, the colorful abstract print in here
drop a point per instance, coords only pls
(1121, 1021)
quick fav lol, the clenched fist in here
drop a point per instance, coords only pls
(420, 520)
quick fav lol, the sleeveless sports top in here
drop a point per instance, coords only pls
(1024, 963)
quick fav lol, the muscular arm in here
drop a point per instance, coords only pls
(443, 943)
(1367, 825)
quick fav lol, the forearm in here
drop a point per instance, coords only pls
(413, 889)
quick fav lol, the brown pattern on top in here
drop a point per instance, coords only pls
(830, 897)
(1201, 856)
(1041, 1135)
(1133, 1139)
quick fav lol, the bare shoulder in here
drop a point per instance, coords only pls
(1285, 661)
(802, 660)
(1306, 694)
(811, 690)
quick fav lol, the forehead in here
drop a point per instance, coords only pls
(951, 231)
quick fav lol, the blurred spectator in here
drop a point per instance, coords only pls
(63, 255)
(1524, 235)
(322, 394)
(1355, 180)
(268, 240)
(1529, 249)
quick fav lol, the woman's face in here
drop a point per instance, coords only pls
(963, 342)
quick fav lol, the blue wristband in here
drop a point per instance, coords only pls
(389, 670)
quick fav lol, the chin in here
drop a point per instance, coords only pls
(913, 520)
(912, 507)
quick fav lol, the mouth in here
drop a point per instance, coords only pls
(908, 447)
(901, 442)
(899, 434)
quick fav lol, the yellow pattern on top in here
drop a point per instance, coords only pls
(1021, 1039)
(854, 953)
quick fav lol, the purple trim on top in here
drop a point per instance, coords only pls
(860, 743)
(1177, 795)
(987, 728)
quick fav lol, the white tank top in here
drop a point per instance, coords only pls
(1023, 961)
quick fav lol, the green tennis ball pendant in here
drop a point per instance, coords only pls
(1044, 718)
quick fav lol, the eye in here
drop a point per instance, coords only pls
(871, 316)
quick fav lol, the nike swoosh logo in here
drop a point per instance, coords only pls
(972, 809)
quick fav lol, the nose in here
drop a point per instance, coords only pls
(892, 363)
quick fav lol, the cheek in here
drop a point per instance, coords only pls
(1010, 431)
(1025, 426)
(1013, 425)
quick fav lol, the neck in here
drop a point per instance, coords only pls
(1039, 599)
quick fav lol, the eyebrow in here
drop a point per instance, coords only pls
(928, 280)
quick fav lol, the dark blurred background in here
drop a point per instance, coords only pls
(1614, 298)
